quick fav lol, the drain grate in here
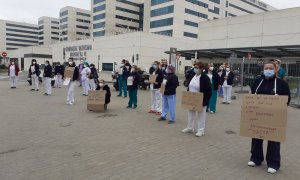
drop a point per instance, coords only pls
(230, 132)
(107, 115)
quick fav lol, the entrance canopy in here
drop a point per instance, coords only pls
(254, 52)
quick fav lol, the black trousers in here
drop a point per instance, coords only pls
(273, 153)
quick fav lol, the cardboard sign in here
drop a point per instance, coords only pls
(152, 79)
(67, 81)
(192, 101)
(69, 71)
(264, 117)
(96, 101)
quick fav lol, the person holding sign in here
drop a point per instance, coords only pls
(13, 73)
(169, 96)
(227, 82)
(268, 84)
(48, 75)
(199, 83)
(85, 73)
(34, 71)
(72, 83)
(156, 76)
(133, 81)
(103, 87)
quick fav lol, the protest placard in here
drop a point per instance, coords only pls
(96, 101)
(192, 101)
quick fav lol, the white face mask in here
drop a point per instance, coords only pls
(12, 63)
(101, 84)
(132, 69)
(33, 62)
(211, 68)
(70, 63)
(227, 69)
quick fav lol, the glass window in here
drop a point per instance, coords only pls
(161, 23)
(166, 33)
(197, 2)
(98, 1)
(64, 13)
(83, 14)
(195, 13)
(99, 33)
(215, 10)
(107, 67)
(128, 10)
(64, 20)
(156, 2)
(190, 23)
(162, 11)
(215, 1)
(82, 27)
(188, 34)
(19, 35)
(21, 40)
(128, 19)
(21, 26)
(99, 8)
(99, 25)
(99, 16)
(22, 31)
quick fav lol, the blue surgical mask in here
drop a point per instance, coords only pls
(163, 68)
(269, 73)
(196, 70)
(154, 66)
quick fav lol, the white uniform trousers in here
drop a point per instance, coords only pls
(92, 84)
(227, 90)
(70, 96)
(34, 82)
(13, 81)
(196, 120)
(48, 88)
(58, 81)
(156, 100)
(86, 86)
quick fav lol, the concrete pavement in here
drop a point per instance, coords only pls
(42, 138)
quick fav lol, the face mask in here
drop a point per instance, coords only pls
(84, 65)
(167, 71)
(269, 73)
(132, 69)
(70, 63)
(101, 84)
(12, 63)
(227, 69)
(154, 66)
(163, 68)
(211, 68)
(33, 62)
(196, 70)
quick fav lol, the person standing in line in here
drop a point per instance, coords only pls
(215, 81)
(13, 73)
(268, 84)
(93, 78)
(47, 76)
(199, 83)
(227, 81)
(169, 96)
(59, 73)
(72, 84)
(122, 77)
(85, 73)
(80, 67)
(34, 71)
(220, 72)
(280, 71)
(156, 96)
(103, 87)
(133, 81)
(164, 65)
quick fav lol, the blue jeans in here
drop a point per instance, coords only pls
(169, 106)
(122, 85)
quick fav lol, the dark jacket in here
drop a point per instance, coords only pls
(94, 73)
(76, 74)
(128, 68)
(17, 69)
(172, 84)
(108, 94)
(268, 85)
(216, 80)
(151, 70)
(59, 70)
(229, 79)
(136, 80)
(159, 78)
(125, 73)
(205, 88)
(37, 70)
(48, 71)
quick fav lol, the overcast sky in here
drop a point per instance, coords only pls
(30, 10)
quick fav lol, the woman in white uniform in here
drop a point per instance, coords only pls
(199, 83)
(13, 72)
(34, 72)
(85, 73)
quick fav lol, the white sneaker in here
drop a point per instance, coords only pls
(211, 112)
(251, 163)
(187, 130)
(271, 170)
(200, 134)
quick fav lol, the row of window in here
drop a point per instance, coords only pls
(98, 1)
(83, 14)
(215, 10)
(156, 2)
(99, 25)
(128, 19)
(83, 34)
(54, 22)
(64, 13)
(130, 3)
(190, 23)
(215, 1)
(65, 26)
(64, 20)
(99, 8)
(82, 27)
(54, 27)
(57, 33)
(195, 13)
(21, 40)
(21, 31)
(161, 23)
(162, 11)
(166, 32)
(55, 38)
(128, 11)
(191, 35)
(197, 2)
(19, 35)
(14, 44)
(83, 21)
(126, 26)
(99, 16)
(21, 26)
(98, 33)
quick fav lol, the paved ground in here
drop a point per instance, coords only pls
(42, 138)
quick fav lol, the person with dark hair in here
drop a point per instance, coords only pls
(71, 86)
(48, 75)
(34, 72)
(80, 67)
(133, 81)
(199, 83)
(13, 73)
(59, 73)
(268, 84)
(169, 96)
(216, 84)
(93, 77)
(85, 73)
(227, 82)
(122, 77)
(104, 87)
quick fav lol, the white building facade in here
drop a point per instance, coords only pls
(116, 16)
(14, 35)
(48, 30)
(75, 24)
(182, 18)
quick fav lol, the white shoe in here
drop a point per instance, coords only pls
(251, 163)
(271, 170)
(187, 130)
(211, 112)
(200, 134)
